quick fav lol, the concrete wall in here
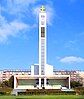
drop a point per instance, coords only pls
(48, 70)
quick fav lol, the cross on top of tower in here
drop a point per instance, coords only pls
(42, 8)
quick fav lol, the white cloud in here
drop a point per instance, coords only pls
(18, 11)
(50, 14)
(20, 2)
(16, 7)
(21, 9)
(11, 28)
(49, 11)
(72, 59)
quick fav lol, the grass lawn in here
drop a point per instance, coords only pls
(43, 97)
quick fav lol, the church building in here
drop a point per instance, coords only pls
(42, 75)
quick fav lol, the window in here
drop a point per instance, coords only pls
(42, 31)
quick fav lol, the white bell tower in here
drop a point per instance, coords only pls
(42, 40)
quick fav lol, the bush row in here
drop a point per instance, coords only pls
(47, 92)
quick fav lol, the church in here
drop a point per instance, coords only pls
(42, 75)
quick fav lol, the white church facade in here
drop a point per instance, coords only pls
(42, 75)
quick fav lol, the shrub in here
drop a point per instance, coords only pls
(5, 91)
(47, 92)
(79, 90)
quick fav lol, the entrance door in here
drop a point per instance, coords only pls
(42, 83)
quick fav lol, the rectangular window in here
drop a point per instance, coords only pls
(42, 31)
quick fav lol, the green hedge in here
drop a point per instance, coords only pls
(47, 92)
(2, 93)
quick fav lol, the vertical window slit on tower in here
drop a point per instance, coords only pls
(42, 31)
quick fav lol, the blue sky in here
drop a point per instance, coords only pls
(19, 33)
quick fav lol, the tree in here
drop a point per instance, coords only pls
(5, 83)
(8, 83)
(75, 84)
(11, 82)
